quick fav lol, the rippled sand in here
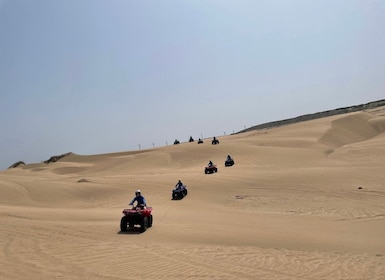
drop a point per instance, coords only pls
(303, 201)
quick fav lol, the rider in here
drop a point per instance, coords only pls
(179, 185)
(229, 157)
(211, 163)
(141, 201)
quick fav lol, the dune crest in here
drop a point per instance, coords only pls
(353, 128)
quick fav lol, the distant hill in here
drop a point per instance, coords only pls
(319, 115)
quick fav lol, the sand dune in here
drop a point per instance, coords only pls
(303, 201)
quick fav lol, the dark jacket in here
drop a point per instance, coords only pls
(139, 199)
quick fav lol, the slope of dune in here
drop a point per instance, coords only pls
(303, 201)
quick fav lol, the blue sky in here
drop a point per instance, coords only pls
(102, 76)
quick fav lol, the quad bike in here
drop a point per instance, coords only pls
(229, 162)
(200, 141)
(211, 169)
(140, 215)
(215, 141)
(179, 193)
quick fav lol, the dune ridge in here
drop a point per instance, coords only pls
(362, 107)
(328, 113)
(303, 201)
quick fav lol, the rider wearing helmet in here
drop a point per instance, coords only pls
(140, 200)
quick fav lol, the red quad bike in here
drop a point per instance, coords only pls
(136, 216)
(211, 169)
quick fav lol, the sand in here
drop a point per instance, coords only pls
(303, 201)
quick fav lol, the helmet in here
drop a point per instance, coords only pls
(137, 192)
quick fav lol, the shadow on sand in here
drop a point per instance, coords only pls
(131, 230)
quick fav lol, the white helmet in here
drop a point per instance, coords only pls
(137, 192)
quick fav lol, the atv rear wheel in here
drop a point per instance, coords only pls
(174, 195)
(150, 221)
(123, 224)
(144, 224)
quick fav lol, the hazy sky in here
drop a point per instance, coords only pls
(101, 76)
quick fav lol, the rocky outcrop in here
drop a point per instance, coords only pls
(50, 160)
(56, 158)
(16, 164)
